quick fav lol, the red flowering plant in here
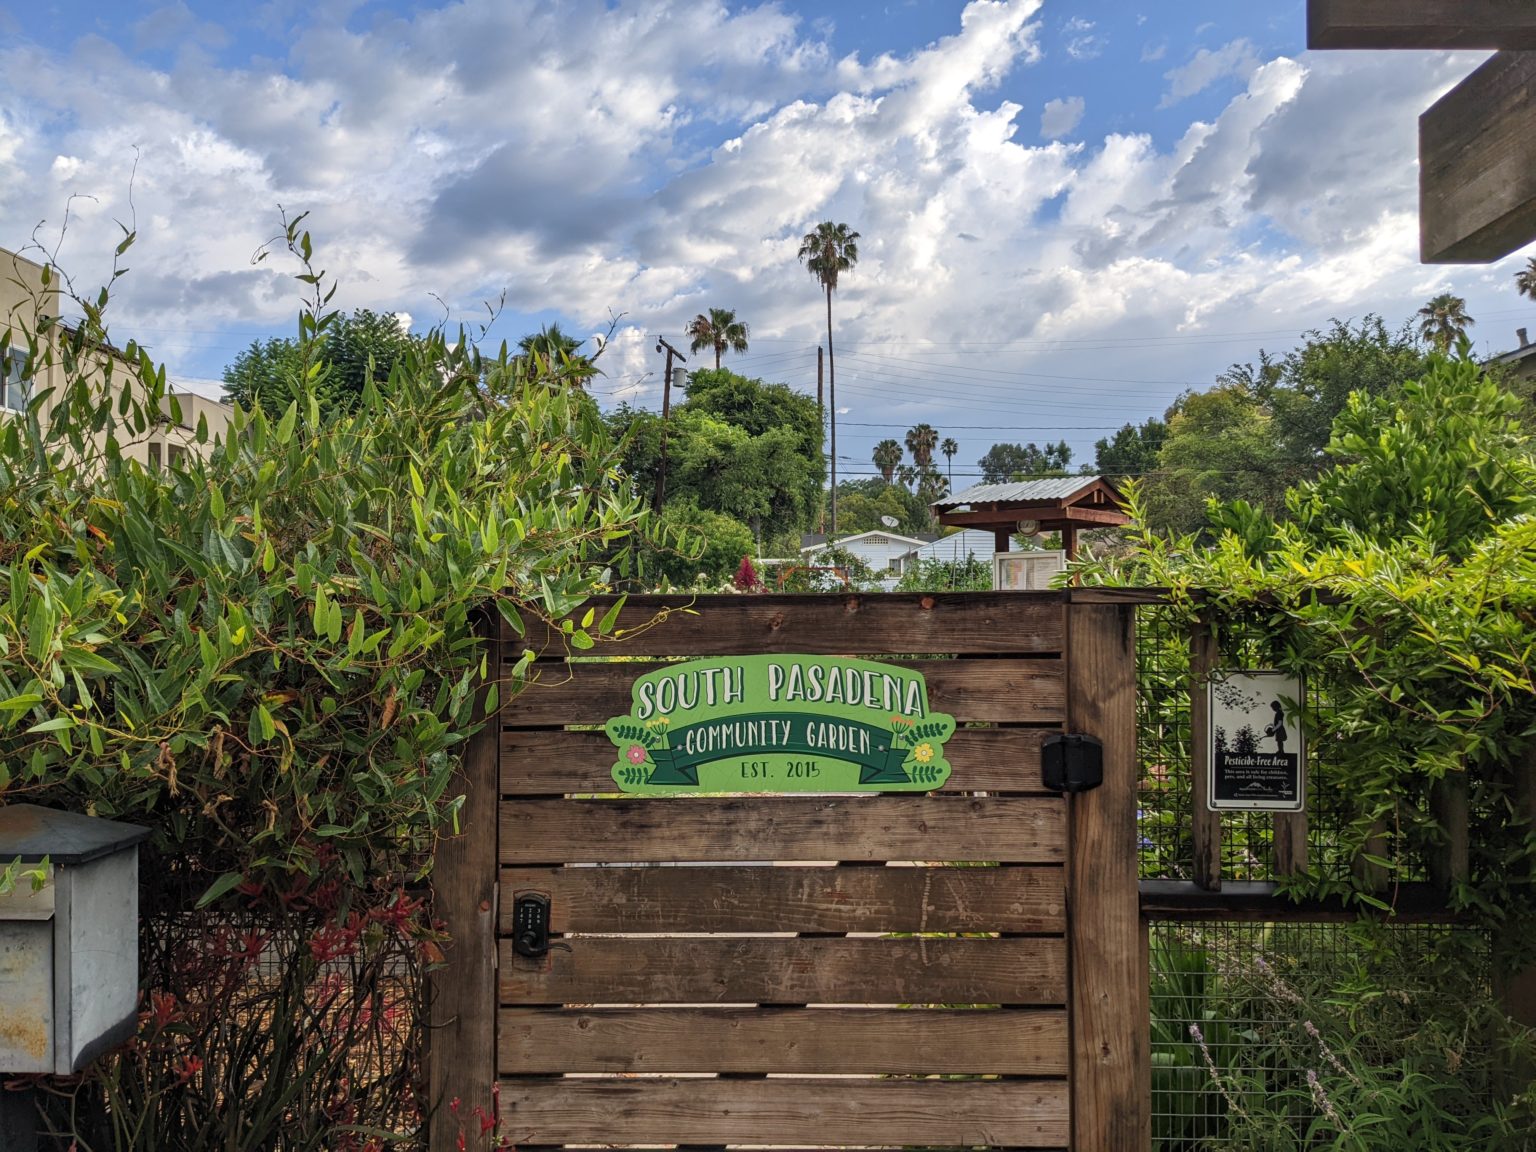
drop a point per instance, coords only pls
(270, 653)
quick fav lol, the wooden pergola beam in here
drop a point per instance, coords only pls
(1050, 519)
(1477, 165)
(1441, 24)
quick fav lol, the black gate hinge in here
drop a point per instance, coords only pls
(1072, 762)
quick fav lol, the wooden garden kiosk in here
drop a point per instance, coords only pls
(1066, 504)
(1477, 144)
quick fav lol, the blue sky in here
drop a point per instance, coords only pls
(1070, 211)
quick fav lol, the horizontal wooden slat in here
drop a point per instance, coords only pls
(1423, 24)
(790, 970)
(541, 762)
(1008, 829)
(1477, 165)
(1016, 1113)
(830, 624)
(810, 1041)
(704, 899)
(1000, 691)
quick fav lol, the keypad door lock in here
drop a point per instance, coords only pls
(530, 924)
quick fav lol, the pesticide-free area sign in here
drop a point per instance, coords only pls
(1258, 753)
(780, 724)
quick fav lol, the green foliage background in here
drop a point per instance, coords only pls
(270, 657)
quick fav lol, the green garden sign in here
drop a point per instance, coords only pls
(780, 724)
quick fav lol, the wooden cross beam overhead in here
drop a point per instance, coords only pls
(1477, 145)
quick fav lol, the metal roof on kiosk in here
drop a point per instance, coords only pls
(1023, 491)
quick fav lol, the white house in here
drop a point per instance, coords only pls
(884, 553)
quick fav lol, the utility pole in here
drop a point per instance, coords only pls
(821, 410)
(832, 403)
(666, 413)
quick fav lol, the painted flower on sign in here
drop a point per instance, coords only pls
(636, 754)
(923, 752)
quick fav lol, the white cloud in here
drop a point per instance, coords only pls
(1061, 117)
(1151, 52)
(1236, 58)
(668, 159)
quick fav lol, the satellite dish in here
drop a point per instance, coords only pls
(889, 521)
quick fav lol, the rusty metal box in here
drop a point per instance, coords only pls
(69, 952)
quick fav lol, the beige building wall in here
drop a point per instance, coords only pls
(27, 307)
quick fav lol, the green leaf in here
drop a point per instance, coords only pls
(221, 887)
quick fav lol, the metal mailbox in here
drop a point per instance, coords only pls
(69, 954)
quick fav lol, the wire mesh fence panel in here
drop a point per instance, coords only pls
(1271, 1035)
(1165, 809)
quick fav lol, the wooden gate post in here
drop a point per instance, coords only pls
(461, 1040)
(1111, 1031)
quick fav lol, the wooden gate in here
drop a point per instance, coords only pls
(957, 968)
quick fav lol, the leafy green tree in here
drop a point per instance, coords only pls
(1005, 462)
(1443, 458)
(1220, 445)
(1443, 322)
(718, 330)
(701, 549)
(1131, 451)
(827, 251)
(1307, 388)
(861, 504)
(887, 457)
(355, 350)
(756, 406)
(922, 440)
(737, 446)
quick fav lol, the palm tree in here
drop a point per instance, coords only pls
(1525, 279)
(888, 459)
(1444, 321)
(921, 441)
(719, 330)
(826, 251)
(949, 448)
(557, 353)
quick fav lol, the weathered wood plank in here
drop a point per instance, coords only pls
(846, 624)
(704, 899)
(1205, 825)
(1110, 1041)
(462, 1035)
(1477, 165)
(1007, 829)
(1021, 970)
(1003, 690)
(1290, 843)
(806, 1041)
(543, 762)
(1016, 1113)
(1430, 24)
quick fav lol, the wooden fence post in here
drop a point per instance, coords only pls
(1111, 1036)
(461, 1056)
(1205, 825)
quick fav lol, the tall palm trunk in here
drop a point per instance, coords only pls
(832, 407)
(717, 357)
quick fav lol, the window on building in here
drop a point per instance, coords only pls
(154, 455)
(15, 384)
(178, 455)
